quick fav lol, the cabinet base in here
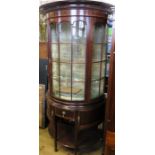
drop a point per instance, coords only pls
(89, 137)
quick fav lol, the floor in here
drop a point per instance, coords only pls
(46, 146)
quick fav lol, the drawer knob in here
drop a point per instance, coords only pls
(63, 113)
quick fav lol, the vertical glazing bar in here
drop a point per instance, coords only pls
(71, 60)
(100, 68)
(49, 57)
(101, 63)
(58, 39)
(89, 50)
(106, 41)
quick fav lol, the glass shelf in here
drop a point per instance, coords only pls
(98, 61)
(79, 86)
(65, 43)
(68, 79)
(65, 91)
(98, 79)
(68, 62)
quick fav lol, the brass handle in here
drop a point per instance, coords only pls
(63, 113)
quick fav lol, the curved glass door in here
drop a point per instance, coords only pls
(98, 61)
(68, 49)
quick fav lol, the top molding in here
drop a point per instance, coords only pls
(84, 4)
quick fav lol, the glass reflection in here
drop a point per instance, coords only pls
(78, 72)
(79, 32)
(65, 71)
(102, 87)
(98, 56)
(104, 52)
(103, 69)
(65, 52)
(78, 91)
(54, 51)
(79, 51)
(72, 43)
(65, 88)
(65, 81)
(56, 87)
(53, 33)
(64, 29)
(55, 69)
(99, 33)
(94, 89)
(95, 71)
(97, 52)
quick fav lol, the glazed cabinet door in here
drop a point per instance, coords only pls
(98, 59)
(68, 58)
(77, 52)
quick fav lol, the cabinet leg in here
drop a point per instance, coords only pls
(76, 142)
(76, 133)
(55, 133)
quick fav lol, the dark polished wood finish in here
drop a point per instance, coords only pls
(110, 143)
(85, 114)
(110, 107)
(81, 4)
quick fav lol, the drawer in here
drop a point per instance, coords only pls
(65, 114)
(92, 116)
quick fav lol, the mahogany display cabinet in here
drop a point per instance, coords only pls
(76, 70)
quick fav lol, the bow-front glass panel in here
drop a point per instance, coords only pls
(68, 55)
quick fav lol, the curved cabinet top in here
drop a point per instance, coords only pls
(80, 4)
